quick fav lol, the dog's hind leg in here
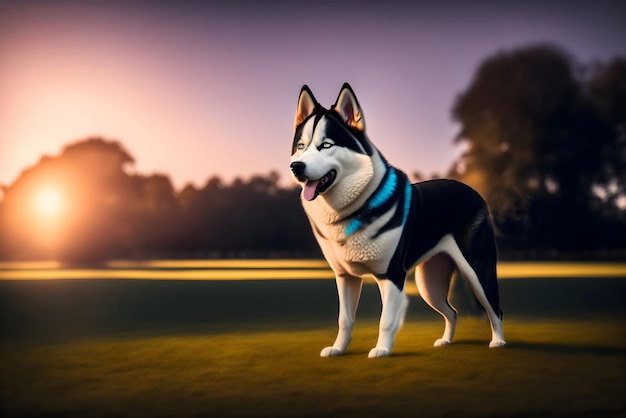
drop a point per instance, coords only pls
(433, 278)
(497, 333)
(481, 276)
(395, 303)
(479, 267)
(349, 290)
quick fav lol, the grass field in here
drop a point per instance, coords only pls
(116, 348)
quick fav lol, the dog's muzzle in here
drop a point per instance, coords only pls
(312, 187)
(297, 168)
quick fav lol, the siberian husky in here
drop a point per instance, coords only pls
(369, 219)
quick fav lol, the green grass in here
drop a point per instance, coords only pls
(143, 348)
(552, 368)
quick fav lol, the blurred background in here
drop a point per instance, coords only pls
(153, 129)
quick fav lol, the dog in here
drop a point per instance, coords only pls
(369, 219)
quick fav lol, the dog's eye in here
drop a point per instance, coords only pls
(300, 145)
(327, 144)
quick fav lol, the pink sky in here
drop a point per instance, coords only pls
(195, 90)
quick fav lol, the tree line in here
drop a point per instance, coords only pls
(545, 144)
(109, 213)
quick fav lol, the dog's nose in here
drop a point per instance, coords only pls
(297, 167)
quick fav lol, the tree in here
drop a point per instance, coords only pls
(73, 206)
(156, 215)
(84, 207)
(537, 145)
(248, 217)
(607, 91)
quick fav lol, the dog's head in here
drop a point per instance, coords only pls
(331, 157)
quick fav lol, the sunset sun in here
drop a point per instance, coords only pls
(49, 202)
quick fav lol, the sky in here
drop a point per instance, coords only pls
(196, 89)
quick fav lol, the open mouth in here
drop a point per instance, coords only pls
(314, 188)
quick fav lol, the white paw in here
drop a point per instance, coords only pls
(441, 342)
(379, 352)
(331, 352)
(497, 343)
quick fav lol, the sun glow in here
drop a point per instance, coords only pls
(49, 202)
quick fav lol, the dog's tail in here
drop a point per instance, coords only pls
(478, 245)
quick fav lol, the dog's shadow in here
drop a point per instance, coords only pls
(552, 347)
(394, 354)
(544, 347)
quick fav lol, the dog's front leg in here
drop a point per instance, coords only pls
(394, 306)
(349, 289)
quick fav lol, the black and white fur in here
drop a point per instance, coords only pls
(369, 219)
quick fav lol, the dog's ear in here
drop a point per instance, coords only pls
(306, 105)
(347, 106)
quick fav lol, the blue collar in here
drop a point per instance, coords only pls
(394, 187)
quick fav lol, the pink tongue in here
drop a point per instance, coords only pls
(309, 192)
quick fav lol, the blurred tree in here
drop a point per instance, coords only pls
(247, 217)
(91, 191)
(84, 206)
(156, 213)
(538, 146)
(607, 91)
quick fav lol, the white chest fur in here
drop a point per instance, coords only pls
(360, 253)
